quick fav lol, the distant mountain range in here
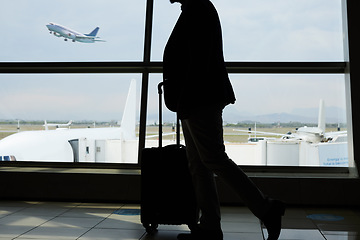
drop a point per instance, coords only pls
(303, 115)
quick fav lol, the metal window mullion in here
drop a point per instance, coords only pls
(145, 75)
(147, 66)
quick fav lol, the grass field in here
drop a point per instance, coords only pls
(230, 135)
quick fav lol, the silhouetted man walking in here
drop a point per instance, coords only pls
(197, 87)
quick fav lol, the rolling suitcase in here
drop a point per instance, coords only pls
(167, 194)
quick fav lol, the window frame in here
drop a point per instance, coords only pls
(147, 67)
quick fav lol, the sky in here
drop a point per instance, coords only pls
(257, 30)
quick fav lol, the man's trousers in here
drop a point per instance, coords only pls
(203, 134)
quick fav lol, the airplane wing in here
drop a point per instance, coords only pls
(334, 134)
(265, 133)
(83, 37)
(99, 40)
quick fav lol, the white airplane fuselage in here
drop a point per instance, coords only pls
(61, 31)
(51, 145)
(310, 134)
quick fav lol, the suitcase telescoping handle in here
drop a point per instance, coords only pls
(160, 91)
(160, 112)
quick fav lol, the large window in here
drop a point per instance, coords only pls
(121, 24)
(305, 89)
(288, 120)
(277, 120)
(70, 117)
(262, 30)
(297, 30)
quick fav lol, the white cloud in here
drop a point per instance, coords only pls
(276, 93)
(258, 30)
(65, 96)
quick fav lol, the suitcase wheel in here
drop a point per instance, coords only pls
(151, 228)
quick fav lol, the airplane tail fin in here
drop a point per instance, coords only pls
(128, 121)
(93, 33)
(321, 118)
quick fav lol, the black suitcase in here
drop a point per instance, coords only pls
(167, 194)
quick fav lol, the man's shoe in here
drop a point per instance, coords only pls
(272, 220)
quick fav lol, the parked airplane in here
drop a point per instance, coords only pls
(67, 33)
(57, 125)
(112, 144)
(308, 134)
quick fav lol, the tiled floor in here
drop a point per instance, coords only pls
(48, 220)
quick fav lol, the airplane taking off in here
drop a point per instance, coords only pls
(67, 33)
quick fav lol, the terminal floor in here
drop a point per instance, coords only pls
(58, 220)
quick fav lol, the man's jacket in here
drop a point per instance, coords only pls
(194, 72)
